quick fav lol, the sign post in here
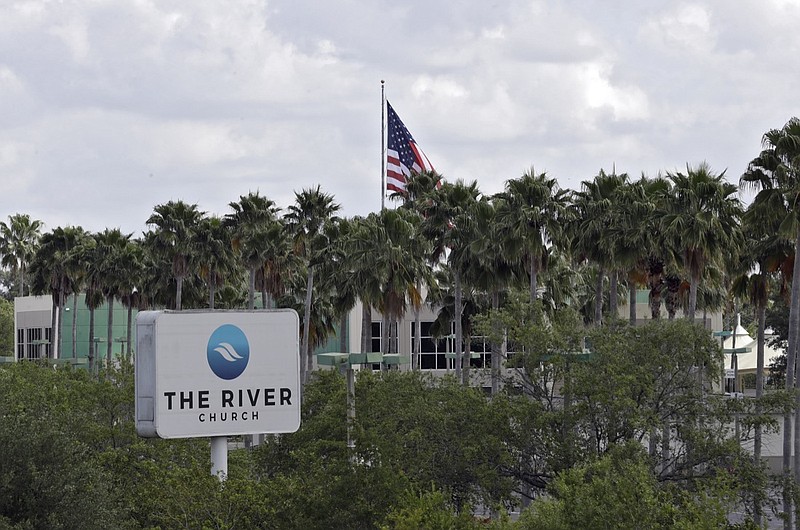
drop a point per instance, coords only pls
(217, 374)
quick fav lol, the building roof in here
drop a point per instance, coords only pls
(747, 360)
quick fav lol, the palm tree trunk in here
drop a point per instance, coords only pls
(351, 412)
(496, 347)
(762, 310)
(53, 329)
(598, 297)
(632, 300)
(459, 343)
(394, 340)
(110, 331)
(21, 281)
(693, 295)
(613, 301)
(212, 291)
(344, 347)
(251, 288)
(178, 292)
(417, 340)
(417, 346)
(305, 364)
(129, 328)
(75, 325)
(467, 359)
(384, 334)
(665, 449)
(534, 267)
(366, 327)
(791, 356)
(62, 297)
(91, 340)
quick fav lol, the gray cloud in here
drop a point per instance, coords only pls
(111, 108)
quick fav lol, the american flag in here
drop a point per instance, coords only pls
(403, 155)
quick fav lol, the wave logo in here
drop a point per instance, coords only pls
(228, 352)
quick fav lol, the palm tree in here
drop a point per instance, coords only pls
(354, 275)
(213, 243)
(280, 265)
(532, 213)
(766, 253)
(113, 253)
(19, 239)
(131, 276)
(86, 257)
(76, 270)
(775, 172)
(175, 222)
(307, 218)
(51, 274)
(703, 219)
(420, 187)
(636, 236)
(449, 223)
(251, 220)
(595, 214)
(494, 269)
(388, 245)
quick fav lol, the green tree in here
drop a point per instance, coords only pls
(172, 240)
(214, 243)
(767, 253)
(114, 254)
(703, 219)
(387, 246)
(775, 173)
(620, 491)
(7, 333)
(444, 434)
(131, 275)
(253, 225)
(51, 473)
(307, 218)
(449, 224)
(594, 216)
(636, 237)
(494, 270)
(18, 242)
(52, 274)
(76, 270)
(532, 213)
(417, 196)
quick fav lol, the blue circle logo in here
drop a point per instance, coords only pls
(228, 352)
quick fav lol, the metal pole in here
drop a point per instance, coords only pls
(383, 143)
(735, 363)
(351, 411)
(219, 457)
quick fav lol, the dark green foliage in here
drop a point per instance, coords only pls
(6, 328)
(427, 450)
(620, 491)
(50, 468)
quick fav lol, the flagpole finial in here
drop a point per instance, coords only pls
(382, 81)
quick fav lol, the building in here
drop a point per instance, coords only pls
(34, 340)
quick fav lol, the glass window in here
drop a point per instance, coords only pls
(432, 351)
(20, 344)
(34, 343)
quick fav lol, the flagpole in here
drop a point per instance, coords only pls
(383, 144)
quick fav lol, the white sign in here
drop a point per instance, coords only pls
(217, 373)
(729, 373)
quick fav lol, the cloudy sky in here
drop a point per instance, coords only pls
(110, 107)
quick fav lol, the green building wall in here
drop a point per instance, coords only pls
(119, 330)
